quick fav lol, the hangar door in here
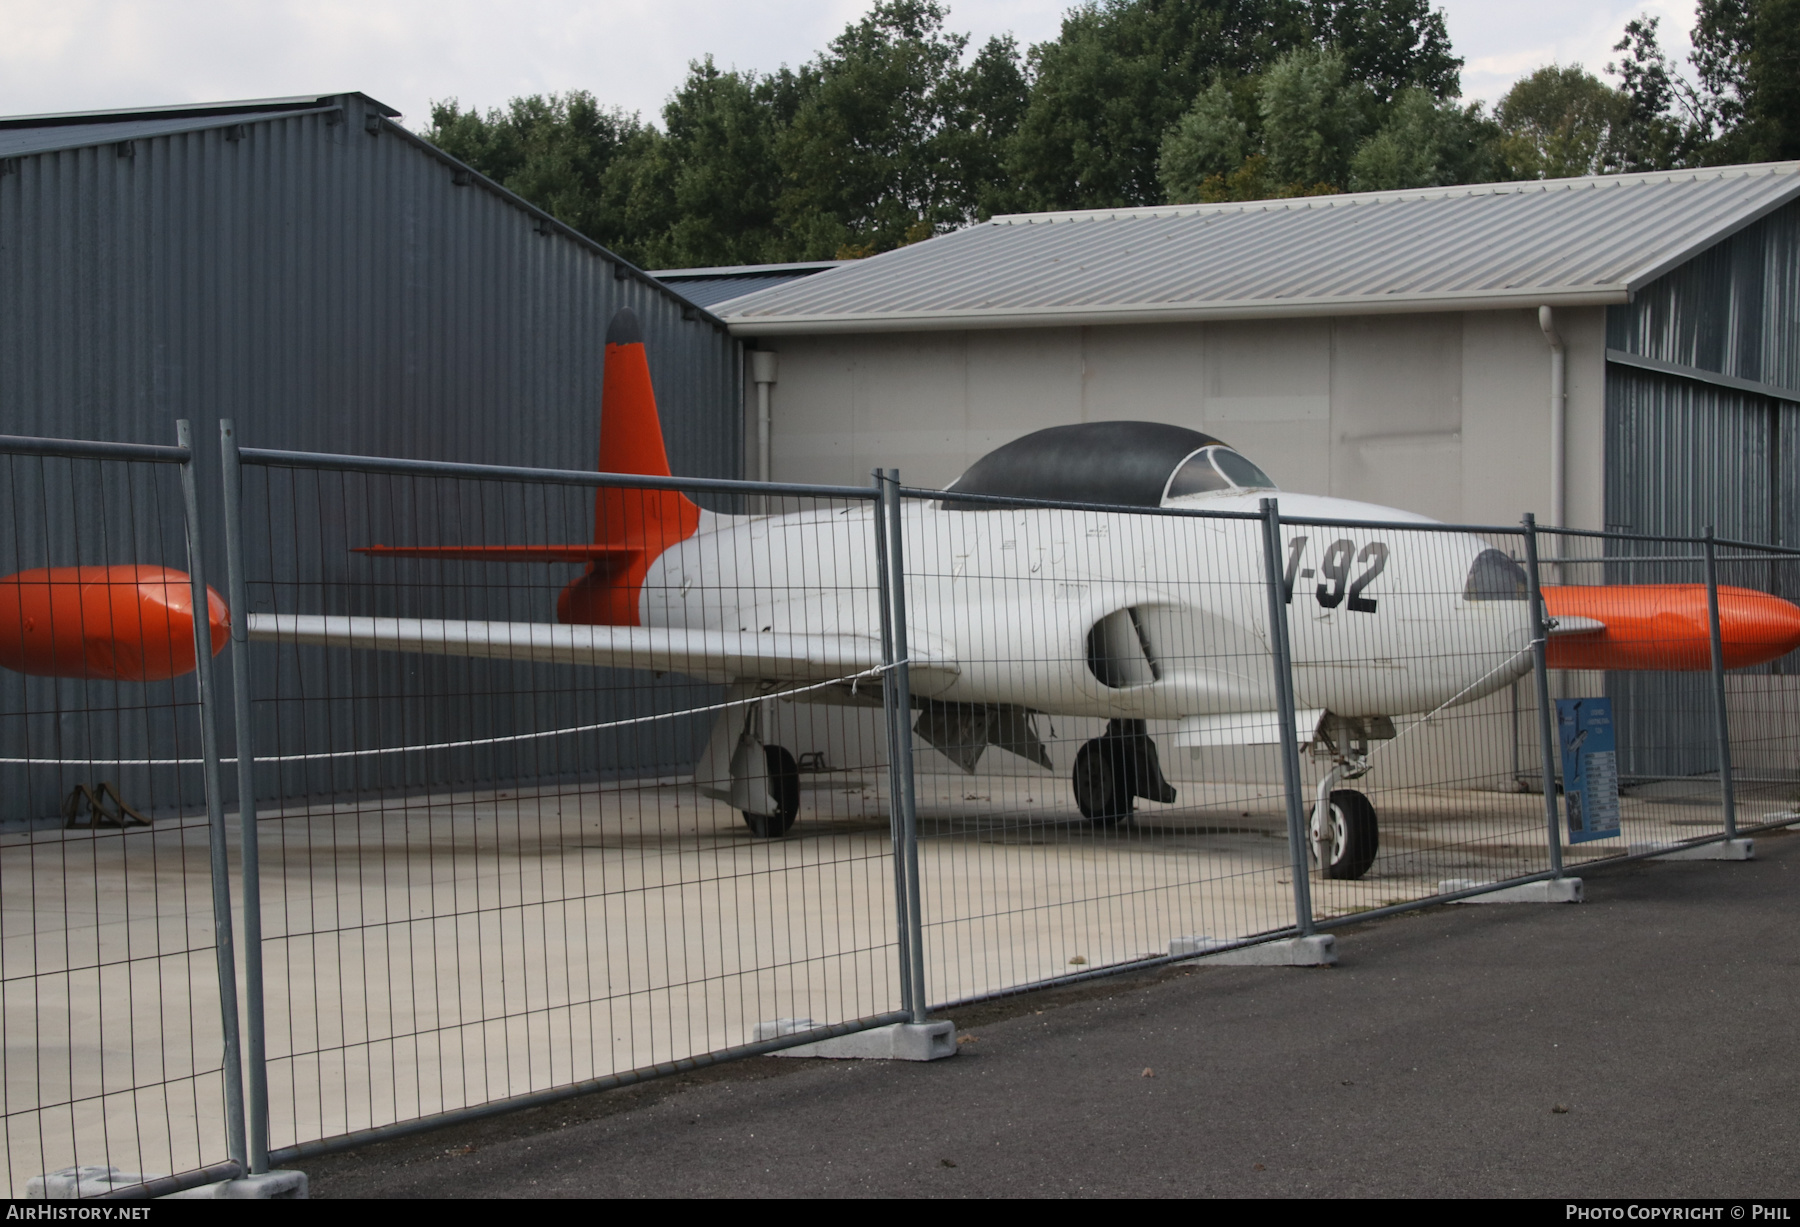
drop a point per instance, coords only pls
(1703, 427)
(1681, 455)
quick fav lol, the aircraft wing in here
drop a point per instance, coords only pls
(713, 655)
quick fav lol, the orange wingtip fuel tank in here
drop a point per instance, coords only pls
(1664, 626)
(128, 623)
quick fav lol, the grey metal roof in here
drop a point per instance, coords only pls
(27, 134)
(1562, 241)
(708, 287)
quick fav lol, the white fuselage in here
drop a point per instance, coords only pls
(1002, 605)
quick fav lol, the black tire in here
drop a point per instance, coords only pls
(784, 783)
(1102, 791)
(1355, 835)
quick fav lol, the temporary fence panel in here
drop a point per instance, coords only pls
(1762, 703)
(119, 1048)
(1069, 821)
(1414, 649)
(1658, 678)
(523, 865)
(555, 781)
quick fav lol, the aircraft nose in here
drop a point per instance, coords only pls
(1755, 627)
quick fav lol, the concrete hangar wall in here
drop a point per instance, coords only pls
(1382, 346)
(1443, 414)
(315, 271)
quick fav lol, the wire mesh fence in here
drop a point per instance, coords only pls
(1088, 789)
(1413, 656)
(1762, 702)
(528, 807)
(119, 1058)
(1654, 664)
(559, 780)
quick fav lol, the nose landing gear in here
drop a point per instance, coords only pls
(1344, 833)
(1113, 769)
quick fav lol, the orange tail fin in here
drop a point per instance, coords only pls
(638, 524)
(631, 441)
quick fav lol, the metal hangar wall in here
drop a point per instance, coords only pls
(313, 270)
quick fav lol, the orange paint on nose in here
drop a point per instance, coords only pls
(1665, 626)
(128, 623)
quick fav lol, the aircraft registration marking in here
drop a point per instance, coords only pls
(1335, 582)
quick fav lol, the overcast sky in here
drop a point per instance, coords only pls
(74, 55)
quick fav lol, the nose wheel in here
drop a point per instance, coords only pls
(1345, 835)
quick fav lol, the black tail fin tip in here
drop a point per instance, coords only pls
(624, 329)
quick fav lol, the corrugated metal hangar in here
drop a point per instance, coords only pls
(312, 269)
(1387, 346)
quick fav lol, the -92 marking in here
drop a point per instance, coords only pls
(1334, 573)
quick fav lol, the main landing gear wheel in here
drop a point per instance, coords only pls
(1102, 790)
(1353, 835)
(784, 786)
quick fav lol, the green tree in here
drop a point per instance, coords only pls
(1313, 128)
(1124, 72)
(1121, 73)
(1742, 103)
(995, 94)
(1209, 142)
(1747, 55)
(709, 195)
(1650, 135)
(1560, 122)
(891, 144)
(1427, 142)
(578, 161)
(1314, 116)
(1390, 45)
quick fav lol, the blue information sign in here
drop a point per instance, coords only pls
(1590, 765)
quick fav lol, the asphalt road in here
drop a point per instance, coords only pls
(1645, 1044)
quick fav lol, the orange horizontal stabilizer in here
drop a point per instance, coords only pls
(502, 553)
(1666, 627)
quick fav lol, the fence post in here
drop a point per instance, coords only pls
(894, 721)
(223, 952)
(1721, 719)
(1546, 720)
(903, 734)
(1284, 707)
(257, 1105)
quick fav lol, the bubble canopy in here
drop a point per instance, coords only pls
(1121, 464)
(1215, 469)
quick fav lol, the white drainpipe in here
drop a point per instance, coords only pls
(762, 372)
(1559, 403)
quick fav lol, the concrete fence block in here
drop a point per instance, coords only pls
(73, 1182)
(269, 1186)
(1553, 890)
(928, 1041)
(1319, 950)
(1719, 850)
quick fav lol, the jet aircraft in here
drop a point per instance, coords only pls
(1383, 623)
